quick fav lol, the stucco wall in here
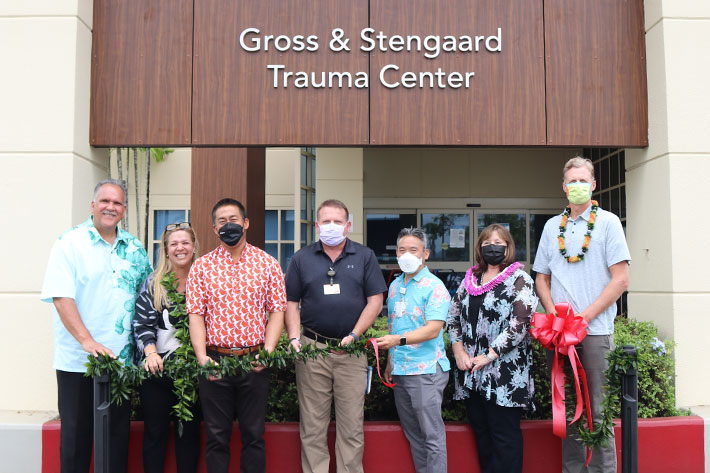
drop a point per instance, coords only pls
(667, 188)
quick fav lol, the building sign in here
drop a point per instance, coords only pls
(390, 76)
(368, 72)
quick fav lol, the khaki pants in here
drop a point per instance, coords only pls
(343, 378)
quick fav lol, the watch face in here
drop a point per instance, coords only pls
(402, 340)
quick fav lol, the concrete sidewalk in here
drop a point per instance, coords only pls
(21, 440)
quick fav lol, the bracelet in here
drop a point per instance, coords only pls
(293, 338)
(151, 353)
(490, 357)
(355, 336)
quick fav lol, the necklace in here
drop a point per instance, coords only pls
(475, 290)
(587, 236)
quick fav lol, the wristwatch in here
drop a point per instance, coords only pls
(402, 340)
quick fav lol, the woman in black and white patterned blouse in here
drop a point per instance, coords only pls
(154, 331)
(488, 323)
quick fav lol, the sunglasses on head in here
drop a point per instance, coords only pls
(177, 226)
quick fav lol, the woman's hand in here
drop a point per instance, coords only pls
(153, 362)
(463, 361)
(480, 361)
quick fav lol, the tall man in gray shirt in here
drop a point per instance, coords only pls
(591, 274)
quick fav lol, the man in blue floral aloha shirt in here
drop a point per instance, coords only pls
(417, 304)
(92, 278)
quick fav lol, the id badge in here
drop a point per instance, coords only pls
(329, 289)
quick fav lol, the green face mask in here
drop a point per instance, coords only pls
(579, 192)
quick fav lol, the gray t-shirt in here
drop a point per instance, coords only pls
(582, 283)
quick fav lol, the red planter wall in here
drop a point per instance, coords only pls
(665, 445)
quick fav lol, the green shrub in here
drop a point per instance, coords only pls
(656, 389)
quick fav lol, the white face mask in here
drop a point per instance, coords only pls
(409, 263)
(331, 234)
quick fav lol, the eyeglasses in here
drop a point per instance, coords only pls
(177, 226)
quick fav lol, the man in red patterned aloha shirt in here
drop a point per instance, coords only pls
(230, 290)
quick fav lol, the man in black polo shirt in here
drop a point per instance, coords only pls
(339, 286)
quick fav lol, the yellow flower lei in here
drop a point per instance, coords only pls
(587, 236)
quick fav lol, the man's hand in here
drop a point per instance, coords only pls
(346, 340)
(95, 349)
(387, 341)
(388, 373)
(153, 363)
(585, 315)
(203, 360)
(295, 344)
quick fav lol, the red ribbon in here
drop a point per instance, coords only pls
(561, 333)
(373, 342)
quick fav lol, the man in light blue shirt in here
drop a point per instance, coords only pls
(418, 304)
(583, 259)
(92, 278)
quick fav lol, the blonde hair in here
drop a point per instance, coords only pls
(578, 162)
(164, 267)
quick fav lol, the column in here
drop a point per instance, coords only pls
(217, 173)
(668, 191)
(48, 174)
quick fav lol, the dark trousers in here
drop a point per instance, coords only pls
(498, 435)
(244, 397)
(157, 399)
(76, 410)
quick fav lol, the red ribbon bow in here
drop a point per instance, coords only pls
(561, 333)
(373, 342)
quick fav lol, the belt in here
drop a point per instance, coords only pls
(235, 351)
(317, 337)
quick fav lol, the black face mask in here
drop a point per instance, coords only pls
(231, 233)
(493, 254)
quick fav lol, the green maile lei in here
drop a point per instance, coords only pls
(619, 363)
(184, 369)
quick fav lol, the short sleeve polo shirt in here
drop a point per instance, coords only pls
(356, 273)
(582, 283)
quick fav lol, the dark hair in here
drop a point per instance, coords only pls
(505, 235)
(415, 232)
(333, 203)
(226, 202)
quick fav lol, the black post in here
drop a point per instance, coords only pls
(102, 401)
(629, 416)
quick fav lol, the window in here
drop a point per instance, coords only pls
(278, 240)
(449, 235)
(514, 223)
(382, 230)
(610, 173)
(453, 233)
(307, 207)
(161, 218)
